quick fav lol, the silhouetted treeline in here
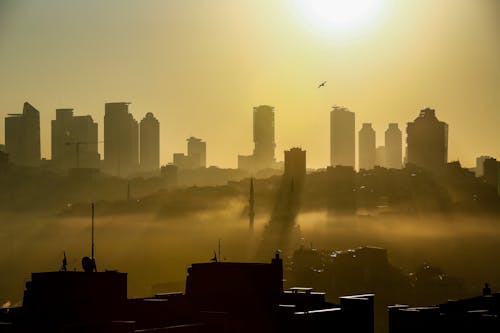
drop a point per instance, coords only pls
(379, 191)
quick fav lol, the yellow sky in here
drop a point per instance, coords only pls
(201, 65)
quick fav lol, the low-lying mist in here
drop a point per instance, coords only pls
(155, 250)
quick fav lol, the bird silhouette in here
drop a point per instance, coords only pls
(322, 84)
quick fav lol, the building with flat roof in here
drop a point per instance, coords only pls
(427, 141)
(22, 137)
(393, 147)
(342, 137)
(149, 143)
(264, 141)
(74, 141)
(367, 147)
(196, 157)
(121, 140)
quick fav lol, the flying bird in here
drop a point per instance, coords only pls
(322, 84)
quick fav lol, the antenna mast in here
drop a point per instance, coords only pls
(219, 252)
(92, 205)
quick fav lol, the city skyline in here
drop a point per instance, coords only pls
(191, 66)
(74, 142)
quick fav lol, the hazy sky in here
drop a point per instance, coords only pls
(201, 65)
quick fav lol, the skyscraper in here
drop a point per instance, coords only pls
(74, 141)
(263, 138)
(196, 156)
(427, 141)
(121, 140)
(197, 152)
(367, 147)
(295, 165)
(393, 147)
(22, 137)
(149, 143)
(342, 137)
(380, 159)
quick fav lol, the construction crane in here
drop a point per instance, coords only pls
(77, 148)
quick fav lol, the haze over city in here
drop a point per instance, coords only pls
(249, 166)
(201, 67)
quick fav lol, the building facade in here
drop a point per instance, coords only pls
(427, 141)
(367, 147)
(74, 141)
(149, 143)
(393, 147)
(264, 141)
(22, 137)
(196, 157)
(121, 140)
(342, 137)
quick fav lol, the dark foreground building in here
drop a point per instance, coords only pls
(477, 314)
(220, 297)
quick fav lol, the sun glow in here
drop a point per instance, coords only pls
(340, 15)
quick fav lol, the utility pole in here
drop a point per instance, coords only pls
(251, 210)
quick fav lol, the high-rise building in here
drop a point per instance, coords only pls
(491, 171)
(197, 152)
(22, 137)
(342, 137)
(367, 147)
(263, 138)
(295, 165)
(480, 165)
(393, 147)
(121, 140)
(427, 141)
(380, 159)
(74, 141)
(196, 156)
(149, 143)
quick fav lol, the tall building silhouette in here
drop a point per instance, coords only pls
(22, 137)
(295, 165)
(264, 141)
(342, 137)
(74, 141)
(427, 141)
(393, 147)
(491, 171)
(380, 158)
(367, 147)
(197, 152)
(480, 165)
(149, 143)
(121, 140)
(196, 156)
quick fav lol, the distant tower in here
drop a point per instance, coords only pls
(263, 138)
(427, 141)
(197, 152)
(342, 137)
(393, 147)
(121, 140)
(295, 166)
(367, 147)
(72, 136)
(22, 137)
(480, 165)
(251, 209)
(380, 159)
(149, 143)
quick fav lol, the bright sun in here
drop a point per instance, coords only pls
(340, 15)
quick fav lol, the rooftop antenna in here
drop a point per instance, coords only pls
(92, 256)
(219, 250)
(251, 210)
